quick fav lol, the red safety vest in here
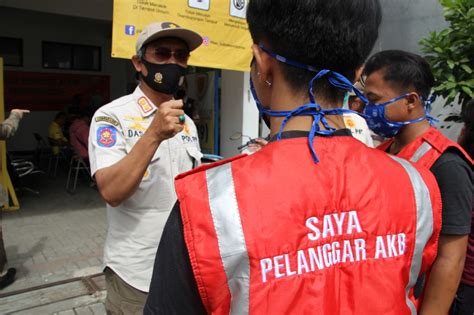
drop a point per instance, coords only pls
(427, 148)
(425, 151)
(275, 233)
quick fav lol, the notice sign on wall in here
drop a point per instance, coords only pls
(221, 23)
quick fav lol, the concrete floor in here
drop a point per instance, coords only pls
(57, 235)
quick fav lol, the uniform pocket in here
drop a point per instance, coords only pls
(195, 154)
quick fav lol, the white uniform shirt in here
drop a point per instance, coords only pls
(359, 128)
(136, 225)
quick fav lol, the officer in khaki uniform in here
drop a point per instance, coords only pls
(138, 144)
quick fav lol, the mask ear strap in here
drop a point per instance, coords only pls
(304, 110)
(360, 95)
(318, 75)
(427, 104)
(393, 100)
(312, 133)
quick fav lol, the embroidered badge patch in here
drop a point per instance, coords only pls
(107, 120)
(106, 136)
(133, 118)
(144, 104)
(186, 130)
(137, 126)
(349, 122)
(147, 174)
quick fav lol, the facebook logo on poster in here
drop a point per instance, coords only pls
(130, 30)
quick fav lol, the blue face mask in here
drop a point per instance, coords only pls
(378, 122)
(312, 108)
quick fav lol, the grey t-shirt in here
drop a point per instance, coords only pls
(454, 177)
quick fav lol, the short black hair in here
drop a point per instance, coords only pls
(327, 34)
(404, 69)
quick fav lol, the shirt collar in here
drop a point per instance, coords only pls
(302, 134)
(145, 106)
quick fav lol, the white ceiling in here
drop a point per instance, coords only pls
(93, 9)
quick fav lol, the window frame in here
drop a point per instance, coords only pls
(72, 55)
(20, 41)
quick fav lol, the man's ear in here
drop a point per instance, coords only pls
(461, 135)
(263, 64)
(137, 63)
(413, 99)
(358, 73)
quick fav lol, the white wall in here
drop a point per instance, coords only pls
(35, 27)
(93, 9)
(404, 23)
(238, 111)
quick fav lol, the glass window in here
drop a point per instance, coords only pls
(11, 50)
(57, 56)
(70, 56)
(86, 58)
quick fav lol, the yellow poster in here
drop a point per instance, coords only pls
(221, 23)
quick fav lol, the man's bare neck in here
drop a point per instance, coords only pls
(408, 134)
(284, 99)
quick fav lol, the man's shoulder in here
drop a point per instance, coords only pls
(452, 157)
(113, 112)
(453, 170)
(116, 105)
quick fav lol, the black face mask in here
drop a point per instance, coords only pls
(163, 78)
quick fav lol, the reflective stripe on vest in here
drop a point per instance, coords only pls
(233, 249)
(420, 152)
(424, 224)
(230, 236)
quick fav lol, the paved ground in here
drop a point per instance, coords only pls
(92, 309)
(55, 236)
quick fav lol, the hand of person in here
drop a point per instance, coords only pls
(257, 145)
(166, 123)
(20, 112)
(262, 142)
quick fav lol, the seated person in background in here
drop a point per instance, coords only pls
(56, 137)
(75, 107)
(79, 135)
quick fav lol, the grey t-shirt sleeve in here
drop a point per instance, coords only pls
(454, 177)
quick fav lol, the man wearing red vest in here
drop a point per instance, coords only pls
(398, 85)
(315, 222)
